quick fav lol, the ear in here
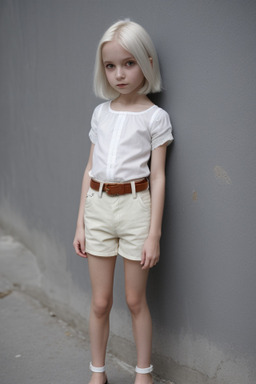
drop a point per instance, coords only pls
(151, 61)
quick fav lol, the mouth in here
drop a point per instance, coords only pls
(121, 85)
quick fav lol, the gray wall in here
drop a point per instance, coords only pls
(202, 294)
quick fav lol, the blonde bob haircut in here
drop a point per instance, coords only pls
(134, 39)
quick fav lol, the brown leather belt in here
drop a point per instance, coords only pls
(115, 189)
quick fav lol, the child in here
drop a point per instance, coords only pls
(118, 214)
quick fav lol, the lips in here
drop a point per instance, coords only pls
(121, 85)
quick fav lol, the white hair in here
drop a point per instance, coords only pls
(134, 39)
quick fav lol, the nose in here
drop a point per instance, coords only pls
(119, 73)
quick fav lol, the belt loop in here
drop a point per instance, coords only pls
(100, 190)
(134, 194)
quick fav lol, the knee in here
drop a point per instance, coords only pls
(101, 307)
(135, 304)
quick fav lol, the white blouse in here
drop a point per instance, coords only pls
(124, 141)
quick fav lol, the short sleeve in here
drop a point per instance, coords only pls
(161, 129)
(93, 133)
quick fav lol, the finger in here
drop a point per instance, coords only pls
(155, 262)
(78, 249)
(146, 264)
(152, 263)
(76, 245)
(80, 253)
(84, 255)
(143, 258)
(82, 247)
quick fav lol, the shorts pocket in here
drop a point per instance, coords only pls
(90, 197)
(144, 199)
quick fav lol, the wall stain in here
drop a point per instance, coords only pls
(194, 195)
(221, 175)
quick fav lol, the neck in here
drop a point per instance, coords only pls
(129, 100)
(137, 104)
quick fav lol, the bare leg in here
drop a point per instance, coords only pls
(102, 277)
(135, 288)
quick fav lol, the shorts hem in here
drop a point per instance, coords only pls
(102, 254)
(129, 257)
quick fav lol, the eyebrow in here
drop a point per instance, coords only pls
(125, 59)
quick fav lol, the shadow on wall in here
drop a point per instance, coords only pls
(163, 286)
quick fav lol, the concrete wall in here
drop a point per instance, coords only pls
(202, 294)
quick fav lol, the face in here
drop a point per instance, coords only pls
(121, 68)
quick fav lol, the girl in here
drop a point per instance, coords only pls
(118, 214)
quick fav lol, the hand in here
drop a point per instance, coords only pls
(150, 252)
(79, 243)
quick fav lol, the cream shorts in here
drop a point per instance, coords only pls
(117, 224)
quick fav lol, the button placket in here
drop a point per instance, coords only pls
(114, 143)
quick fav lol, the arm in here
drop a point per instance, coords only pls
(79, 239)
(151, 249)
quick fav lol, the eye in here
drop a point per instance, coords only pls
(109, 66)
(130, 63)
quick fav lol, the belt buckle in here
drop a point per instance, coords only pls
(108, 190)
